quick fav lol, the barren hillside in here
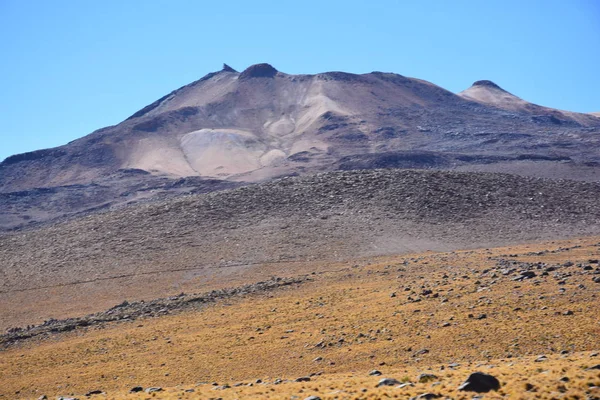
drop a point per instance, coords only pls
(200, 239)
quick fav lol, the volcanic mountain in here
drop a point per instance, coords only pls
(487, 92)
(263, 123)
(312, 230)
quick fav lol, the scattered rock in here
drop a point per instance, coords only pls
(421, 352)
(136, 389)
(153, 389)
(133, 310)
(427, 396)
(529, 387)
(388, 382)
(480, 383)
(525, 275)
(375, 373)
(423, 378)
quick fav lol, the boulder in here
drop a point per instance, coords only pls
(388, 382)
(480, 383)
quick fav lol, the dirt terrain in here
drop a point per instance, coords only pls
(153, 250)
(261, 124)
(527, 315)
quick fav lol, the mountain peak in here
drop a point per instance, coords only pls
(227, 68)
(489, 84)
(259, 71)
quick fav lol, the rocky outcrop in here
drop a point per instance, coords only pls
(127, 311)
(258, 71)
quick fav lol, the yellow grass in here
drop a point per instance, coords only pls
(349, 319)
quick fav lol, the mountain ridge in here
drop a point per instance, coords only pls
(176, 106)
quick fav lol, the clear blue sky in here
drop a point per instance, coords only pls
(70, 67)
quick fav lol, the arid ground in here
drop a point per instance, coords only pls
(527, 314)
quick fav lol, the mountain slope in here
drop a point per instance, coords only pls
(487, 92)
(152, 250)
(262, 123)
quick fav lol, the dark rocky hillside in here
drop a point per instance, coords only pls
(34, 206)
(329, 216)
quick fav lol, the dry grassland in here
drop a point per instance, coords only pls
(448, 314)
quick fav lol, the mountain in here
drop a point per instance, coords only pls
(262, 123)
(488, 93)
(291, 233)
